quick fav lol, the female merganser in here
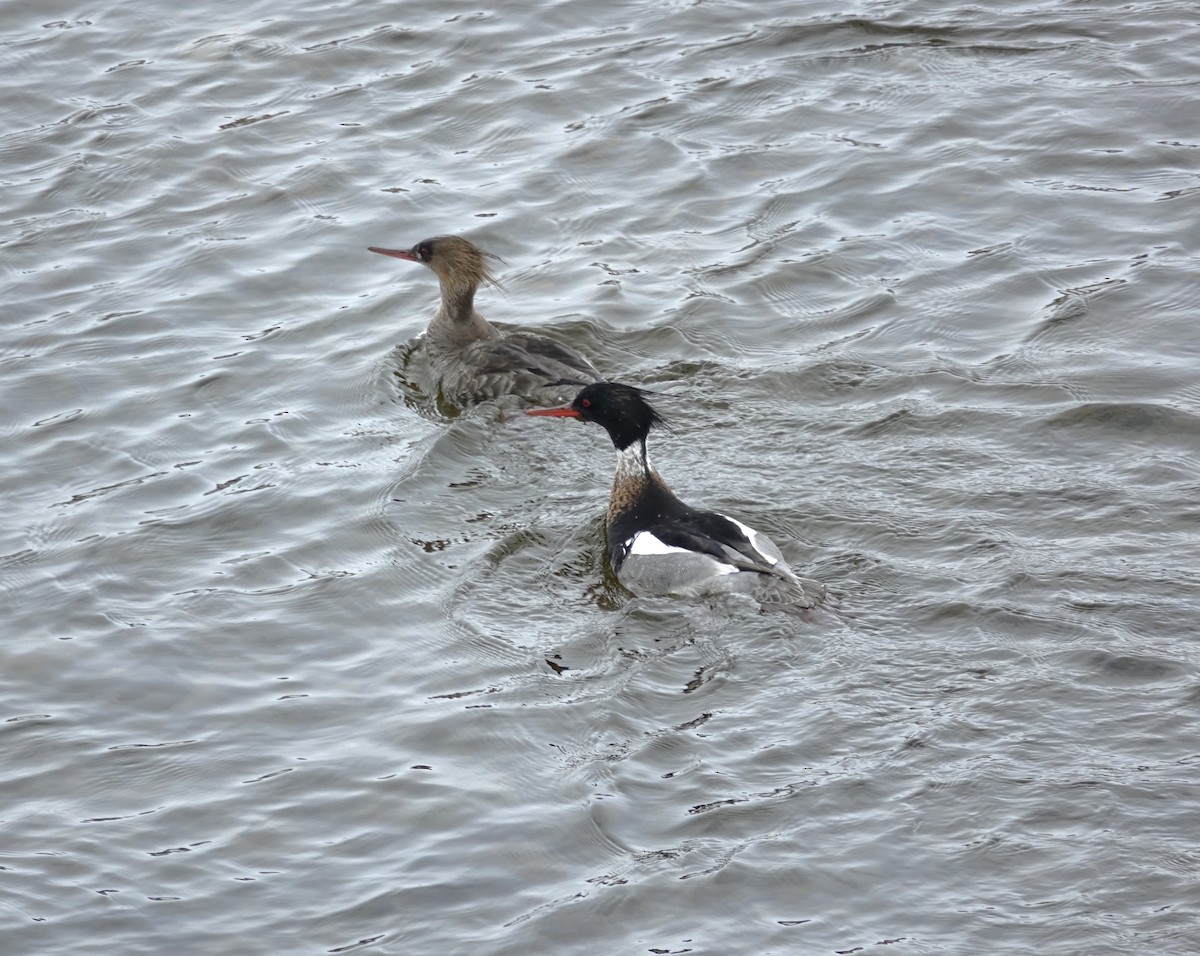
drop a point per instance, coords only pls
(659, 545)
(472, 359)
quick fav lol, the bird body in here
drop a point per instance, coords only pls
(473, 360)
(657, 544)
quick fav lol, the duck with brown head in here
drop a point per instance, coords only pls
(472, 359)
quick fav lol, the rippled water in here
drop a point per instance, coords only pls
(299, 661)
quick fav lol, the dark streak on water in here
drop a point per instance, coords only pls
(296, 661)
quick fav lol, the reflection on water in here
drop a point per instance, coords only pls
(298, 655)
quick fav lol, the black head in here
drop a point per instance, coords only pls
(621, 409)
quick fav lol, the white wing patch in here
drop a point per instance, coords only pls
(753, 536)
(645, 543)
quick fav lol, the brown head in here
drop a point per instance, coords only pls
(458, 263)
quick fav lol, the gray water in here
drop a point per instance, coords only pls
(297, 660)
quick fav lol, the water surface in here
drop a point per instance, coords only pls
(299, 660)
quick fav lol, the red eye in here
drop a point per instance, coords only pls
(586, 403)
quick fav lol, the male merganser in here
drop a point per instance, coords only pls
(659, 545)
(472, 359)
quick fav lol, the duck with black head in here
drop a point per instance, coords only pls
(473, 360)
(657, 544)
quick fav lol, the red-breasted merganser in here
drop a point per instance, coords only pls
(659, 545)
(472, 359)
